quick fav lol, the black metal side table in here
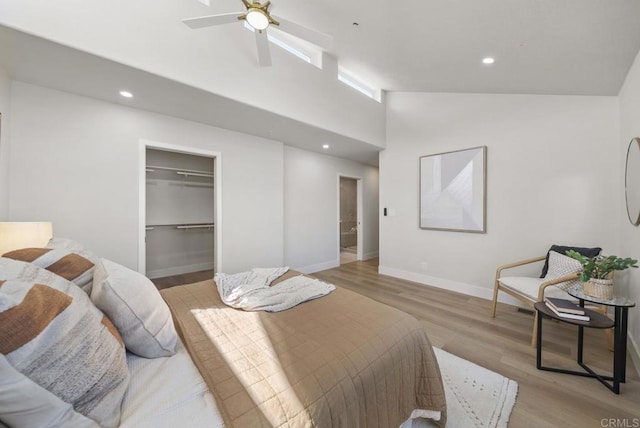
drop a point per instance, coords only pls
(598, 320)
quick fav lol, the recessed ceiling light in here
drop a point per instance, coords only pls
(325, 146)
(126, 94)
(488, 60)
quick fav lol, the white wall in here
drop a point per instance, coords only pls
(553, 177)
(5, 98)
(629, 234)
(74, 161)
(311, 208)
(160, 43)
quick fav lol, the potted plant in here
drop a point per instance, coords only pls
(597, 272)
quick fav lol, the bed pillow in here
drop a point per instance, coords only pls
(67, 264)
(587, 252)
(23, 403)
(52, 334)
(136, 308)
(71, 245)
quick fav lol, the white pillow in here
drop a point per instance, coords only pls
(54, 335)
(561, 265)
(136, 308)
(25, 403)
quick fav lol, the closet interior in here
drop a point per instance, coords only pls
(180, 213)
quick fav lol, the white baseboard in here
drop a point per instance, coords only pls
(179, 270)
(371, 255)
(447, 284)
(318, 267)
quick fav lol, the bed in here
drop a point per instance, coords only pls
(342, 360)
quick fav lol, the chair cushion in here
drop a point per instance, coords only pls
(529, 287)
(587, 252)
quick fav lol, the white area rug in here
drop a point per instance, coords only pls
(476, 397)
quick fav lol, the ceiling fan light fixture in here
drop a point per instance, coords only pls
(257, 18)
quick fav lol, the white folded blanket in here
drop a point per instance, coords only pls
(250, 290)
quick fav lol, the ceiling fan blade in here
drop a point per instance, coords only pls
(264, 55)
(211, 20)
(317, 38)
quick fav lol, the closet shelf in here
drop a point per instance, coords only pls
(181, 171)
(183, 226)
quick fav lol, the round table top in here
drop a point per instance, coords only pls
(578, 292)
(597, 320)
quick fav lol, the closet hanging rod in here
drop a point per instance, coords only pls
(197, 226)
(151, 168)
(183, 226)
(194, 174)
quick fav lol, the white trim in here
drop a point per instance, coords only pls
(142, 177)
(318, 267)
(371, 255)
(360, 225)
(356, 83)
(142, 207)
(447, 284)
(178, 270)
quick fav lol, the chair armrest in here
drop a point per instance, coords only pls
(565, 278)
(520, 263)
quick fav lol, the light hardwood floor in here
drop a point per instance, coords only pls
(461, 325)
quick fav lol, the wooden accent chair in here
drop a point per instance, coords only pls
(530, 290)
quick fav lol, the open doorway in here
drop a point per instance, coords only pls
(349, 225)
(179, 210)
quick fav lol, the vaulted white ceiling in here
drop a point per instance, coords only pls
(575, 47)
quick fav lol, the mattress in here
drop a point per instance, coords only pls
(342, 360)
(168, 392)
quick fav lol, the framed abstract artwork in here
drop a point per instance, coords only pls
(453, 190)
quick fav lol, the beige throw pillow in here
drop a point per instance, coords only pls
(561, 265)
(52, 334)
(136, 308)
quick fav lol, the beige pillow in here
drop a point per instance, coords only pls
(23, 403)
(561, 265)
(136, 308)
(52, 334)
(65, 263)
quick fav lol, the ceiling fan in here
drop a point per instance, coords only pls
(258, 17)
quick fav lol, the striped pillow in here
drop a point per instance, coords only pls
(52, 333)
(23, 403)
(67, 264)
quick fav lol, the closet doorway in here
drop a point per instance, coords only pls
(179, 211)
(349, 219)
